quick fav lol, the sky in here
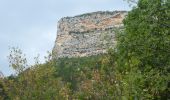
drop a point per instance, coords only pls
(31, 25)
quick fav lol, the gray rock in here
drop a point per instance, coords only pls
(87, 34)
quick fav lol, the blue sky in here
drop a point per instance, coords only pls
(31, 25)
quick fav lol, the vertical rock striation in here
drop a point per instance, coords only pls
(87, 34)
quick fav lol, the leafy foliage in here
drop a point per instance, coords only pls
(17, 60)
(144, 48)
(72, 68)
(137, 69)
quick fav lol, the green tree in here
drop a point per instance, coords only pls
(3, 88)
(144, 48)
(36, 82)
(17, 60)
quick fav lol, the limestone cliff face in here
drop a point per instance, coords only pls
(87, 34)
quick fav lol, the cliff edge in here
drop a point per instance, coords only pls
(87, 34)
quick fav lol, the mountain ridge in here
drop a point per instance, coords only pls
(87, 34)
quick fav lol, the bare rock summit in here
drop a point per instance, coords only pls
(87, 34)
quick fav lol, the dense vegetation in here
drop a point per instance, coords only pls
(137, 69)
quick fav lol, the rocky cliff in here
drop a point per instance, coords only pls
(87, 34)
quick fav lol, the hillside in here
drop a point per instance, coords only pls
(79, 68)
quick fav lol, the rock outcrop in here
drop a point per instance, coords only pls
(87, 34)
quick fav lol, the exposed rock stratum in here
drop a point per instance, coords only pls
(87, 34)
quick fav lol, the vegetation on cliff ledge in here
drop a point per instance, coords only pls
(137, 69)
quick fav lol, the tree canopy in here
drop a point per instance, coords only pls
(138, 68)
